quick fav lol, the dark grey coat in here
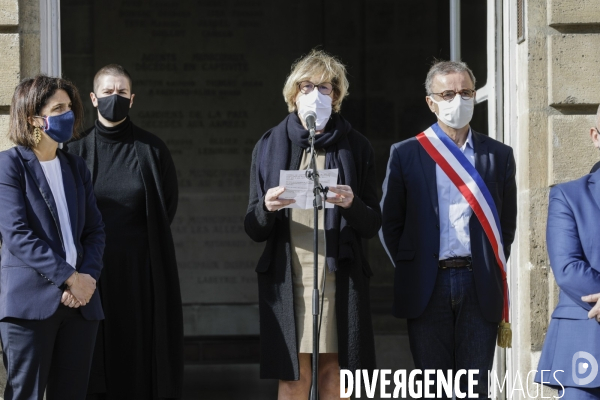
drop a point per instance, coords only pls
(279, 346)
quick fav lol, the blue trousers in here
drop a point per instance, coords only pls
(53, 354)
(452, 333)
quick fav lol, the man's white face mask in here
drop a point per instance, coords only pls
(317, 102)
(456, 113)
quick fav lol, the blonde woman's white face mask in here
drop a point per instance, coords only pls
(317, 102)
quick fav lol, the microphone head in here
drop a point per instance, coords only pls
(310, 117)
(310, 113)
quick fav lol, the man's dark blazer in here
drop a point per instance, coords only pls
(33, 266)
(410, 231)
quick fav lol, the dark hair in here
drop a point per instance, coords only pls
(31, 95)
(114, 70)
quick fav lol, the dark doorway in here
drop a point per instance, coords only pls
(208, 77)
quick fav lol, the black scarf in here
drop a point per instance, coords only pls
(274, 155)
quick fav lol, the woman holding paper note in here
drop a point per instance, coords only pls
(316, 83)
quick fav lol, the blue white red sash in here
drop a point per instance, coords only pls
(467, 180)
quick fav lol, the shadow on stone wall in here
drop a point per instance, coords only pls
(2, 377)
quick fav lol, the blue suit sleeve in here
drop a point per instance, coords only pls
(18, 236)
(573, 274)
(93, 236)
(393, 206)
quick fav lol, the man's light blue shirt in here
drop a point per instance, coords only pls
(455, 212)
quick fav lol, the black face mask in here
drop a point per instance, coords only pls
(114, 108)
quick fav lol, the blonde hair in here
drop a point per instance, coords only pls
(317, 63)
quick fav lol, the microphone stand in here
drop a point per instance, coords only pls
(318, 191)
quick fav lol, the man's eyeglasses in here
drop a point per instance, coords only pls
(449, 95)
(307, 87)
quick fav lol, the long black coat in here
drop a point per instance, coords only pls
(278, 342)
(160, 180)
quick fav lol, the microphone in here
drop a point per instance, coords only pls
(310, 118)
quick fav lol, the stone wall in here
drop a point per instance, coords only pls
(20, 58)
(20, 50)
(558, 93)
(9, 62)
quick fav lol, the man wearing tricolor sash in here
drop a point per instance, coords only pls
(449, 212)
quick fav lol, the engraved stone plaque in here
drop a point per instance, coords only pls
(207, 78)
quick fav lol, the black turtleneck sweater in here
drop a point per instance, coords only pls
(119, 187)
(123, 360)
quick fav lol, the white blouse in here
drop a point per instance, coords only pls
(53, 172)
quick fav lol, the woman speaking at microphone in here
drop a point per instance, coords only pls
(52, 242)
(316, 83)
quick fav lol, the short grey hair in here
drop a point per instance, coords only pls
(445, 68)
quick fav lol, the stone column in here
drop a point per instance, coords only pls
(20, 50)
(20, 58)
(557, 83)
(9, 62)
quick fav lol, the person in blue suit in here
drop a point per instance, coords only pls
(569, 360)
(595, 136)
(447, 283)
(52, 244)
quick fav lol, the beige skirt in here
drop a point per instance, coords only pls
(302, 263)
(301, 232)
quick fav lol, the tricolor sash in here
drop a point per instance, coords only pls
(467, 180)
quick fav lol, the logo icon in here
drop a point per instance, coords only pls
(581, 368)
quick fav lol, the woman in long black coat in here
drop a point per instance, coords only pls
(317, 83)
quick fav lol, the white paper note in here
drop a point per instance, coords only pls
(300, 188)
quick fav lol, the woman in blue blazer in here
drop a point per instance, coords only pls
(52, 243)
(571, 350)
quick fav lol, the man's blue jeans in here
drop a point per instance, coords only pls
(452, 334)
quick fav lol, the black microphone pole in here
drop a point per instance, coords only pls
(310, 118)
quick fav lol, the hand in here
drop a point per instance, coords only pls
(272, 200)
(82, 286)
(595, 311)
(343, 196)
(69, 300)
